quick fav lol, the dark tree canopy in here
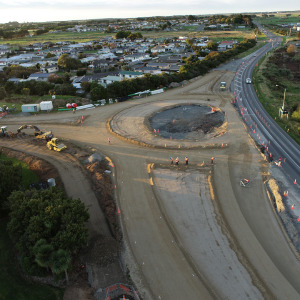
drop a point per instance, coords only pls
(46, 221)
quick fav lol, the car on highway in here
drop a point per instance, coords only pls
(248, 80)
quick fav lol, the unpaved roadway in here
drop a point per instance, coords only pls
(168, 260)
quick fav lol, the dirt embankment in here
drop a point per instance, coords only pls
(43, 169)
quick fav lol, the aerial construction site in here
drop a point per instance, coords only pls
(206, 229)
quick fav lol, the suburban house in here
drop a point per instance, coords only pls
(105, 81)
(137, 57)
(227, 44)
(50, 69)
(39, 76)
(158, 49)
(150, 70)
(130, 75)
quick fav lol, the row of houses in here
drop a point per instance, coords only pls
(142, 56)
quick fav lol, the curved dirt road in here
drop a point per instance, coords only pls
(166, 265)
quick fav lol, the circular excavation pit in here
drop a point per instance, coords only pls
(172, 124)
(188, 122)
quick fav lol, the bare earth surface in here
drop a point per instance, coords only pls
(190, 232)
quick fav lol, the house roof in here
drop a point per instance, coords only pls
(129, 73)
(39, 75)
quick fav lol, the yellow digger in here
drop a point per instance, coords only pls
(39, 134)
(53, 144)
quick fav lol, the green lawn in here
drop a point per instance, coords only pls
(12, 285)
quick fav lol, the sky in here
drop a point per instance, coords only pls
(64, 10)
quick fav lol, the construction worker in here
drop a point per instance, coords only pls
(109, 140)
(212, 160)
(172, 160)
(186, 160)
(177, 161)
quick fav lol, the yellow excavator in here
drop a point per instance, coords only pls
(37, 132)
(54, 144)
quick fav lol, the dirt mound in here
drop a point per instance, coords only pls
(102, 186)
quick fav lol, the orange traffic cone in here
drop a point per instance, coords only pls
(293, 206)
(298, 219)
(113, 165)
(115, 186)
(295, 182)
(119, 211)
(287, 193)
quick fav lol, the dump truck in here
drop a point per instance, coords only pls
(54, 144)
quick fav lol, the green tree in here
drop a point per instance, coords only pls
(212, 45)
(2, 93)
(62, 61)
(60, 262)
(10, 180)
(26, 92)
(98, 92)
(42, 251)
(46, 214)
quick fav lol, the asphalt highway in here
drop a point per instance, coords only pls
(261, 125)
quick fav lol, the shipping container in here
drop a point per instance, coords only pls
(46, 105)
(30, 107)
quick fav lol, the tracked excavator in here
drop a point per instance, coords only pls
(37, 132)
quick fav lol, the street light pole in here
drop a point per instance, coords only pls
(283, 99)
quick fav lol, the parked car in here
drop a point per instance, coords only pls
(248, 80)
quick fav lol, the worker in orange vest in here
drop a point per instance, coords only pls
(212, 160)
(172, 160)
(186, 160)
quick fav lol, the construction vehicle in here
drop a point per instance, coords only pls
(223, 85)
(5, 133)
(53, 144)
(37, 132)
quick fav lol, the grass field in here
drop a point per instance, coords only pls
(271, 98)
(18, 100)
(90, 36)
(12, 285)
(279, 19)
